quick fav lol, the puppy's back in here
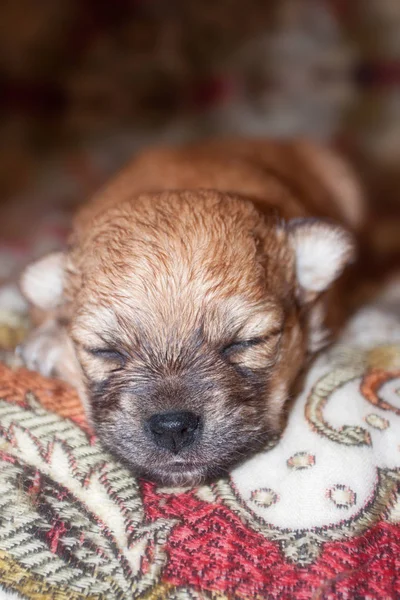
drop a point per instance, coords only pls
(293, 178)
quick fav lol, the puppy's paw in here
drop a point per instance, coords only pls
(44, 350)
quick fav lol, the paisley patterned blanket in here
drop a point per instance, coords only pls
(317, 516)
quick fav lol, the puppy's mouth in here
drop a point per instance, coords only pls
(181, 466)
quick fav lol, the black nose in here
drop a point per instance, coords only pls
(174, 430)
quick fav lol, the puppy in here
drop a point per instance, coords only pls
(194, 291)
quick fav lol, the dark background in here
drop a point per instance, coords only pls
(85, 83)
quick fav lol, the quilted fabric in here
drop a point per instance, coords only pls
(315, 516)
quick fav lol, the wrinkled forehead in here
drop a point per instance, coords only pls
(178, 271)
(173, 299)
(161, 316)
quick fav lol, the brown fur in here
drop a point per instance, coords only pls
(181, 292)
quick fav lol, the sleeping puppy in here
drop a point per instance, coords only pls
(194, 291)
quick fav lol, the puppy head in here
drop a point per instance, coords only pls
(190, 316)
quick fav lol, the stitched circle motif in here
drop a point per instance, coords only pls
(342, 496)
(300, 461)
(264, 497)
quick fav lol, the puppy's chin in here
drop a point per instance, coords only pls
(181, 474)
(173, 473)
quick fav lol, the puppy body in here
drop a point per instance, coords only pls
(292, 178)
(196, 284)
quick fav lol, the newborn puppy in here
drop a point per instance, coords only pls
(192, 295)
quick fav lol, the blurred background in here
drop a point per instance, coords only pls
(86, 83)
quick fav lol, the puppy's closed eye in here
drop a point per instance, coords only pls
(240, 345)
(108, 355)
(252, 353)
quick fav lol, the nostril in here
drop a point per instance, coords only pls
(174, 430)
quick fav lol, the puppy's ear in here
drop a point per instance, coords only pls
(322, 251)
(42, 282)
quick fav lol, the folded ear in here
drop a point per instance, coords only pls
(42, 282)
(322, 251)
